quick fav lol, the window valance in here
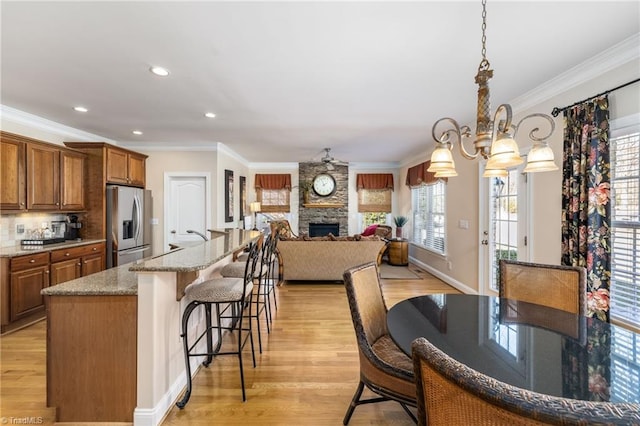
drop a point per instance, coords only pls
(418, 175)
(273, 181)
(374, 181)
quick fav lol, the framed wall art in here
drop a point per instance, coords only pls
(243, 196)
(228, 195)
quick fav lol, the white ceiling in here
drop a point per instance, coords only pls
(286, 79)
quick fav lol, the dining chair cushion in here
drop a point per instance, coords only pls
(218, 290)
(387, 350)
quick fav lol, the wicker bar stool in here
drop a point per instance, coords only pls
(229, 297)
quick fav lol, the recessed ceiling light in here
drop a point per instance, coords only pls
(210, 115)
(162, 72)
(80, 109)
(137, 132)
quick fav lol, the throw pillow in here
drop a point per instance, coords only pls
(370, 230)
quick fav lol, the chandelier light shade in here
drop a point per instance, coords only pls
(494, 138)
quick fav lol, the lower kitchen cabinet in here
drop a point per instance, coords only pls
(24, 277)
(75, 262)
(29, 275)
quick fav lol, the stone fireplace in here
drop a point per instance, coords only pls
(322, 229)
(331, 210)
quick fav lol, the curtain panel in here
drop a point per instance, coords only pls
(374, 181)
(418, 175)
(273, 181)
(586, 207)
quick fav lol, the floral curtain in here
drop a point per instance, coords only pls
(586, 210)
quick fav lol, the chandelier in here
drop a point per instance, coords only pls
(494, 139)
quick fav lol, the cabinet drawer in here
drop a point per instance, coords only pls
(73, 252)
(64, 254)
(20, 263)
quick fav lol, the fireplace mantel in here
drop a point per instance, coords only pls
(323, 205)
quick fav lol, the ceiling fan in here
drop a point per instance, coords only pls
(330, 161)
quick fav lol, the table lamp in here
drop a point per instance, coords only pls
(255, 208)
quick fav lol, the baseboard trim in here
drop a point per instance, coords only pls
(446, 278)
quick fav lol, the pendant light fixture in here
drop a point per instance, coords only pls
(494, 139)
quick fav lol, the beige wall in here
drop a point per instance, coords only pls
(161, 162)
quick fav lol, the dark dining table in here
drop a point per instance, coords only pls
(530, 346)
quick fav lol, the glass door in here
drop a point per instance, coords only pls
(504, 224)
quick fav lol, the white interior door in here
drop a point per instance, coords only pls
(187, 206)
(504, 224)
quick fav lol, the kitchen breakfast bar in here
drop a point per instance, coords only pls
(114, 351)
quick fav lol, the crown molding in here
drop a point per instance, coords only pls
(45, 125)
(274, 166)
(620, 54)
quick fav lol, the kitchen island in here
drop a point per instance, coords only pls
(114, 352)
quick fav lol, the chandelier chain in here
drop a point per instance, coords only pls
(484, 28)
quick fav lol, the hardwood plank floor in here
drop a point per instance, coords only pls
(306, 375)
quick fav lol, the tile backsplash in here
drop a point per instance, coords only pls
(11, 224)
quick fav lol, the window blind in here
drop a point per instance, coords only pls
(625, 227)
(428, 202)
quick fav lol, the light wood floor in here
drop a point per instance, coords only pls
(306, 375)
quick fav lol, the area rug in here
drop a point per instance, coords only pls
(390, 272)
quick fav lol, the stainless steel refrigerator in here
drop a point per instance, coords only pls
(128, 224)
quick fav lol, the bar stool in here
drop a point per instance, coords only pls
(236, 295)
(261, 301)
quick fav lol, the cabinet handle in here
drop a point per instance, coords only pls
(95, 248)
(32, 261)
(79, 264)
(22, 204)
(57, 204)
(86, 261)
(67, 254)
(46, 272)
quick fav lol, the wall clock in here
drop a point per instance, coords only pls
(324, 184)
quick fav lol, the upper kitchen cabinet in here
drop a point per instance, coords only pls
(106, 164)
(43, 177)
(40, 176)
(125, 167)
(13, 191)
(55, 178)
(72, 180)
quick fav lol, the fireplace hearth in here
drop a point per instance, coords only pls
(322, 229)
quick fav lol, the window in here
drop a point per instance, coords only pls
(428, 202)
(273, 192)
(373, 219)
(274, 200)
(625, 221)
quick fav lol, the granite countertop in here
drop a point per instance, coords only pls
(118, 281)
(199, 256)
(20, 250)
(123, 280)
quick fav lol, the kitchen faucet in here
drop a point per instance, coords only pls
(191, 231)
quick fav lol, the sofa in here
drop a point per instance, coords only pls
(326, 258)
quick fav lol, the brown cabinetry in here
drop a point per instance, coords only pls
(125, 167)
(72, 180)
(69, 264)
(29, 275)
(13, 192)
(43, 177)
(24, 277)
(40, 176)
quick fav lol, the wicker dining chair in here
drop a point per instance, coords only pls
(451, 394)
(555, 286)
(384, 368)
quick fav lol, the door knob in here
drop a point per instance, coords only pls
(173, 231)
